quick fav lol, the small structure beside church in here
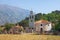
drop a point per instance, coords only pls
(14, 30)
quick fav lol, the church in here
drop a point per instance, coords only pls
(41, 26)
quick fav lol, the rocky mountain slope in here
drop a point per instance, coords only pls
(12, 14)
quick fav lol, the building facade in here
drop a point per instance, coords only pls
(43, 26)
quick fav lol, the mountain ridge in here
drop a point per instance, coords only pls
(12, 14)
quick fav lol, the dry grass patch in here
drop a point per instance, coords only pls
(28, 37)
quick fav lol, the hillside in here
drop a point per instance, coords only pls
(12, 14)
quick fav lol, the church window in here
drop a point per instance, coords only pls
(32, 16)
(41, 25)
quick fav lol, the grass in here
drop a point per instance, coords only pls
(28, 37)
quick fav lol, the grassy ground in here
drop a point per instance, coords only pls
(28, 37)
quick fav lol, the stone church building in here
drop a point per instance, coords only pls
(41, 26)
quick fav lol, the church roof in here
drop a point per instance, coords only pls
(42, 21)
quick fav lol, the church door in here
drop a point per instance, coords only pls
(41, 30)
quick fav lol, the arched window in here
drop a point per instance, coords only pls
(41, 25)
(32, 17)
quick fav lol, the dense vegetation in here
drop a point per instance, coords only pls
(8, 26)
(53, 17)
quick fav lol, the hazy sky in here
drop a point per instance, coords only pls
(44, 6)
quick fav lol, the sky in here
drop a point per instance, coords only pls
(38, 6)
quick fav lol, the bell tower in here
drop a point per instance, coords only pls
(31, 20)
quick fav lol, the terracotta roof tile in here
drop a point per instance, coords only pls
(42, 21)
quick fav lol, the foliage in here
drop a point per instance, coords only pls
(23, 23)
(1, 29)
(57, 26)
(8, 26)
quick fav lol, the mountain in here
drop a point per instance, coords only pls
(12, 14)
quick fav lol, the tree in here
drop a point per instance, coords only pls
(57, 26)
(8, 26)
(38, 16)
(24, 23)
